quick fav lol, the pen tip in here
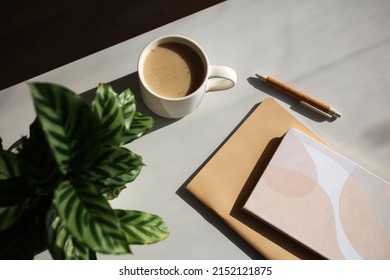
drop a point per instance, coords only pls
(334, 112)
(261, 77)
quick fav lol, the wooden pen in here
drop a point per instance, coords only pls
(304, 99)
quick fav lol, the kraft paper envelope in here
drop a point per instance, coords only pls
(227, 179)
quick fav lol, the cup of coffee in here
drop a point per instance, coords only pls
(174, 74)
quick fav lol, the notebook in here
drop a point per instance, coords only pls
(323, 200)
(224, 182)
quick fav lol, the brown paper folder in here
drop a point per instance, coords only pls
(227, 179)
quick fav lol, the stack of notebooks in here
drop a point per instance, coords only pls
(290, 196)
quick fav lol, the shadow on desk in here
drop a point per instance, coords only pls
(294, 104)
(131, 81)
(210, 216)
(41, 35)
(218, 223)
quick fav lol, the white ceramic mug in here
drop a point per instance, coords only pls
(215, 78)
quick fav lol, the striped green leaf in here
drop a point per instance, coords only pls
(141, 228)
(135, 123)
(9, 165)
(124, 178)
(61, 244)
(13, 188)
(89, 218)
(112, 191)
(139, 126)
(16, 242)
(127, 101)
(115, 167)
(69, 125)
(106, 106)
(25, 238)
(114, 162)
(10, 215)
(39, 164)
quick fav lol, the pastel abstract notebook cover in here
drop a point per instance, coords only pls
(323, 200)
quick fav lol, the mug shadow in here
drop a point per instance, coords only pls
(131, 81)
(294, 104)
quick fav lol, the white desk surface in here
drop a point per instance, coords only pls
(338, 51)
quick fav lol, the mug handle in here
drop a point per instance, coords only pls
(220, 78)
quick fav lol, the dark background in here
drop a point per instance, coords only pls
(39, 35)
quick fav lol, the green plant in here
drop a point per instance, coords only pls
(55, 186)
